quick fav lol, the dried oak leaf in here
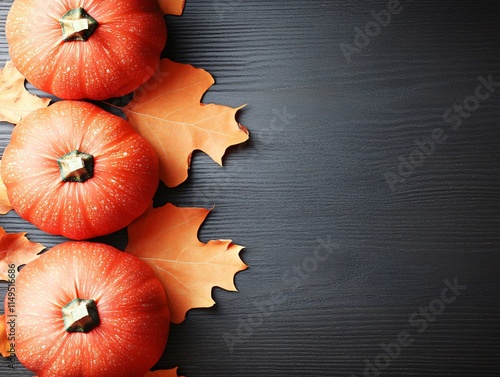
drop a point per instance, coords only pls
(16, 102)
(5, 205)
(167, 239)
(163, 373)
(16, 249)
(172, 7)
(167, 111)
(4, 342)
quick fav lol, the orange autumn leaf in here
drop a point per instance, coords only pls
(163, 373)
(16, 102)
(167, 239)
(5, 205)
(167, 111)
(173, 7)
(17, 250)
(5, 347)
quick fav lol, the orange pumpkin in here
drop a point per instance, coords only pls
(89, 310)
(86, 49)
(76, 170)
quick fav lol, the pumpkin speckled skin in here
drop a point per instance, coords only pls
(125, 176)
(121, 54)
(131, 303)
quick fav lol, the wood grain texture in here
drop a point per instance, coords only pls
(325, 132)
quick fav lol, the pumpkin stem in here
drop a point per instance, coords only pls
(80, 315)
(77, 25)
(76, 166)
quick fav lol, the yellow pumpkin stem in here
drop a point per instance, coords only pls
(76, 166)
(77, 25)
(80, 315)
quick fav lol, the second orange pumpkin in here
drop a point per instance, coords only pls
(76, 170)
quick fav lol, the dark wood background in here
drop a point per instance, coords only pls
(335, 121)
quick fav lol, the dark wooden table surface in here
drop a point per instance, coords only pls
(367, 198)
